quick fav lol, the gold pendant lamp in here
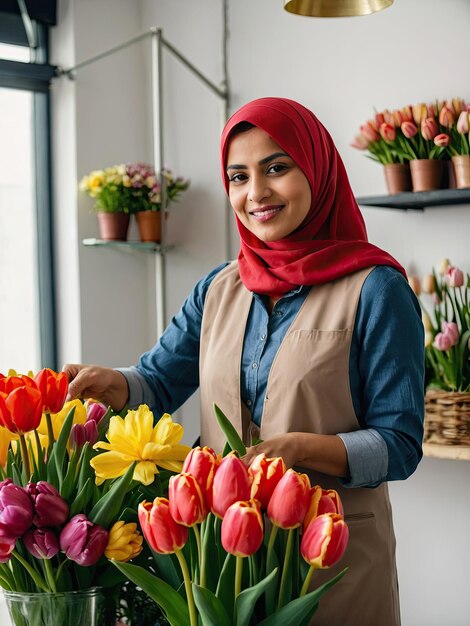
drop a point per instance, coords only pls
(335, 8)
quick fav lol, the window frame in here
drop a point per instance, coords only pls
(36, 77)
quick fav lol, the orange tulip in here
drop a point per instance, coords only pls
(53, 388)
(289, 501)
(162, 533)
(446, 117)
(429, 283)
(387, 132)
(415, 284)
(265, 474)
(322, 501)
(187, 503)
(231, 483)
(20, 404)
(202, 464)
(324, 541)
(242, 528)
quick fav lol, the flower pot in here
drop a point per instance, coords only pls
(69, 608)
(426, 174)
(113, 226)
(149, 223)
(461, 165)
(397, 177)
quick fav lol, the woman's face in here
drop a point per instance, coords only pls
(268, 191)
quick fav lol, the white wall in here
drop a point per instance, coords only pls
(341, 69)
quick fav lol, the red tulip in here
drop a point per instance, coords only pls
(187, 503)
(442, 140)
(162, 533)
(20, 404)
(322, 501)
(429, 128)
(409, 129)
(53, 388)
(202, 464)
(242, 528)
(231, 483)
(324, 541)
(387, 132)
(265, 474)
(289, 502)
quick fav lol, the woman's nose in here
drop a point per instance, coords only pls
(259, 189)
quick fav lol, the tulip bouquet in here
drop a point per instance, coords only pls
(62, 512)
(447, 328)
(243, 542)
(130, 188)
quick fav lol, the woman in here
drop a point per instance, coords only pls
(312, 342)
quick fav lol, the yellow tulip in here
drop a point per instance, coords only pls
(124, 543)
(136, 439)
(58, 419)
(426, 321)
(6, 437)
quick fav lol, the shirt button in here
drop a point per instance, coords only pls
(263, 337)
(254, 365)
(249, 403)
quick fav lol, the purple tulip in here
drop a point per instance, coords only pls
(16, 510)
(95, 411)
(82, 541)
(41, 543)
(50, 509)
(82, 433)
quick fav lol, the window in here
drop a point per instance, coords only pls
(27, 337)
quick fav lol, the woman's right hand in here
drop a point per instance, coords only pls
(100, 383)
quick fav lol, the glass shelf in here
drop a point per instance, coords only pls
(417, 200)
(453, 453)
(125, 245)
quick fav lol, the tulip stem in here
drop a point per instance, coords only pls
(285, 567)
(202, 577)
(49, 575)
(50, 434)
(40, 582)
(25, 457)
(187, 586)
(308, 578)
(238, 575)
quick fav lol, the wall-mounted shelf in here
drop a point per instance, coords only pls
(125, 245)
(453, 453)
(417, 200)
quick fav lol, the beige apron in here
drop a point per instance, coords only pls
(308, 391)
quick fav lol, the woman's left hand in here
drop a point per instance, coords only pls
(286, 446)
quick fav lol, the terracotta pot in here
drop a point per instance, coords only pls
(462, 171)
(113, 226)
(150, 225)
(397, 177)
(426, 174)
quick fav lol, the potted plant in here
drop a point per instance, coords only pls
(445, 302)
(111, 205)
(459, 148)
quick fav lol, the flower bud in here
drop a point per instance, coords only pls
(409, 129)
(265, 474)
(462, 123)
(446, 117)
(16, 510)
(429, 283)
(442, 342)
(451, 330)
(442, 140)
(53, 388)
(202, 464)
(415, 285)
(187, 503)
(360, 142)
(95, 411)
(369, 132)
(20, 404)
(50, 509)
(454, 277)
(322, 501)
(397, 118)
(324, 541)
(231, 483)
(162, 533)
(41, 543)
(442, 266)
(242, 528)
(419, 113)
(289, 502)
(387, 132)
(81, 433)
(429, 128)
(82, 541)
(124, 542)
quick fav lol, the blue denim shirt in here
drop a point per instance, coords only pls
(386, 370)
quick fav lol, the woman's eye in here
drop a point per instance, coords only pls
(275, 168)
(237, 178)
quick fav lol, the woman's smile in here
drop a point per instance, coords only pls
(266, 213)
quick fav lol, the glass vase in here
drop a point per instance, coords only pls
(69, 608)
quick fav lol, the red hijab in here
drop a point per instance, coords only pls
(332, 240)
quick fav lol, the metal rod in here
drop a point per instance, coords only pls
(221, 93)
(225, 116)
(29, 27)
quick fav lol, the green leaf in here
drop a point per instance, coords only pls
(59, 449)
(229, 431)
(293, 613)
(86, 471)
(226, 587)
(108, 508)
(70, 478)
(245, 602)
(170, 601)
(211, 609)
(209, 550)
(168, 568)
(82, 498)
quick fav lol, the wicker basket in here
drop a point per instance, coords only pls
(447, 420)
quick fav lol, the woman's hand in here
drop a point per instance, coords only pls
(286, 446)
(100, 383)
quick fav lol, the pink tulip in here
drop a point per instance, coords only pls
(462, 123)
(322, 501)
(429, 128)
(388, 117)
(50, 509)
(324, 541)
(16, 510)
(265, 473)
(160, 530)
(409, 129)
(41, 543)
(442, 140)
(451, 330)
(187, 502)
(81, 433)
(82, 541)
(231, 483)
(242, 528)
(387, 132)
(369, 132)
(289, 503)
(202, 464)
(360, 142)
(95, 411)
(442, 342)
(446, 117)
(379, 119)
(454, 277)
